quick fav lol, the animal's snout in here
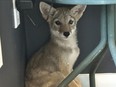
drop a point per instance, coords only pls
(66, 34)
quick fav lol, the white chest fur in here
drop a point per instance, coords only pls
(71, 52)
(72, 57)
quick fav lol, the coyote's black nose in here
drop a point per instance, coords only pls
(66, 34)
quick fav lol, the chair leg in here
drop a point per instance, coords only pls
(93, 55)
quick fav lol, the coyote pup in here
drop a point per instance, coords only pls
(50, 65)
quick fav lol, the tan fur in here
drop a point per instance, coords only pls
(50, 65)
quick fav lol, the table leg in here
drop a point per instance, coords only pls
(93, 55)
(111, 31)
(98, 60)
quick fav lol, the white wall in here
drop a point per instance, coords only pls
(1, 60)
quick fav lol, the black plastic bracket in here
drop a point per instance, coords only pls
(24, 4)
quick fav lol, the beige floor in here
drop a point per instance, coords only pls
(102, 80)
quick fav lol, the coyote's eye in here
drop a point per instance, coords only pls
(71, 21)
(58, 22)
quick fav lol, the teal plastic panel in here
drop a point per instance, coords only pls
(89, 2)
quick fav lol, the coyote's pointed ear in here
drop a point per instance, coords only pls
(77, 11)
(46, 10)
